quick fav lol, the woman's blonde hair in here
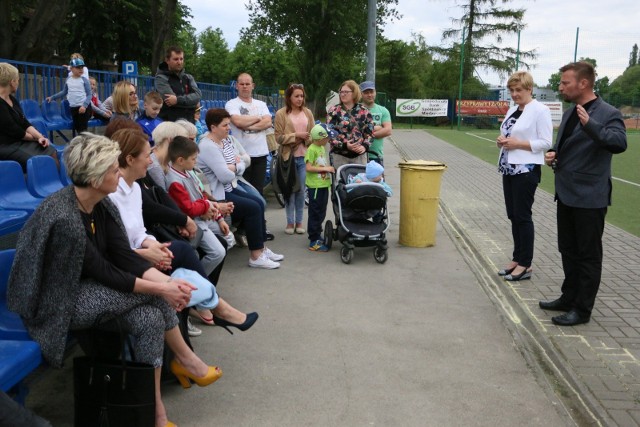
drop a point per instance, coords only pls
(8, 73)
(521, 78)
(88, 157)
(121, 104)
(351, 84)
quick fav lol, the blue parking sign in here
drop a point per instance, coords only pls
(129, 67)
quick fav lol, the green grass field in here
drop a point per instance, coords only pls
(626, 196)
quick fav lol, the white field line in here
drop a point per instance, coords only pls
(613, 177)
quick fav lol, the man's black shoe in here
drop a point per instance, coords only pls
(555, 305)
(569, 319)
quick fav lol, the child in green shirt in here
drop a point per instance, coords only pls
(318, 181)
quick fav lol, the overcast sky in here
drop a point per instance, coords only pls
(608, 30)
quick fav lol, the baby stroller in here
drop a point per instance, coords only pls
(361, 215)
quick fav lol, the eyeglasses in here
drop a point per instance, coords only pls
(296, 86)
(344, 92)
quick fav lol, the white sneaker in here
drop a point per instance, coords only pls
(192, 330)
(272, 255)
(263, 262)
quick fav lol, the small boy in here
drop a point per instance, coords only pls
(373, 173)
(149, 119)
(185, 191)
(318, 182)
(77, 89)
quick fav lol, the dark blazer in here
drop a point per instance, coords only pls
(583, 169)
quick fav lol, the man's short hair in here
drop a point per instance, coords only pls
(153, 96)
(181, 146)
(583, 70)
(172, 49)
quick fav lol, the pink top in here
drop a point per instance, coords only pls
(300, 122)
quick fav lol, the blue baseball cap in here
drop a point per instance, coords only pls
(367, 85)
(76, 62)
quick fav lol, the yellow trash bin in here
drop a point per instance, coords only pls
(419, 196)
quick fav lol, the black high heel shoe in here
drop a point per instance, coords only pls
(251, 319)
(506, 271)
(525, 275)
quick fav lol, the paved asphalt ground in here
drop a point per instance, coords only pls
(431, 338)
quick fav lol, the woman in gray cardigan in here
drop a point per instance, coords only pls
(74, 269)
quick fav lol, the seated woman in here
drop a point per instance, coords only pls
(133, 160)
(163, 134)
(19, 140)
(221, 166)
(74, 270)
(125, 101)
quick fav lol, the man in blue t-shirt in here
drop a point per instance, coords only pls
(381, 120)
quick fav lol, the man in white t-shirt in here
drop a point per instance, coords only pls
(250, 118)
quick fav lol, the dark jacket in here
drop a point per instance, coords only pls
(184, 87)
(583, 169)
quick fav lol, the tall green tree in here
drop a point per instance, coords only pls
(486, 23)
(633, 56)
(213, 59)
(331, 37)
(29, 30)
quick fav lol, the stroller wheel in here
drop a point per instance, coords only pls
(328, 234)
(346, 255)
(380, 255)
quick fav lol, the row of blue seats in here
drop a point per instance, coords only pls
(19, 355)
(20, 197)
(51, 117)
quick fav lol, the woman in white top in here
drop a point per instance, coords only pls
(525, 135)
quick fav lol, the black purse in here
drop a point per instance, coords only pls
(167, 233)
(112, 392)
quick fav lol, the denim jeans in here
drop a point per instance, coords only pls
(295, 205)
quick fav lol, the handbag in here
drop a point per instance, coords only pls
(112, 392)
(286, 177)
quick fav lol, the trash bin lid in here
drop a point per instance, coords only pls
(422, 165)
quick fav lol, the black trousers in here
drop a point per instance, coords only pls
(580, 244)
(519, 191)
(318, 199)
(256, 173)
(80, 121)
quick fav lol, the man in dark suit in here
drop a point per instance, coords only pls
(590, 133)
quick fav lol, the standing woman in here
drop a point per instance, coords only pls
(354, 125)
(525, 135)
(19, 140)
(125, 101)
(292, 127)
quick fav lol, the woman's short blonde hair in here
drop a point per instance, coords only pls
(521, 78)
(165, 132)
(88, 157)
(120, 95)
(192, 130)
(351, 84)
(8, 73)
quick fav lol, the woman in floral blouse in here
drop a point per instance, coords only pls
(354, 125)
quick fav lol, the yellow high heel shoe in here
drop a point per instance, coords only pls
(170, 424)
(184, 376)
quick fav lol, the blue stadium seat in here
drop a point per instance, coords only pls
(32, 112)
(12, 221)
(53, 116)
(43, 177)
(11, 326)
(64, 177)
(17, 360)
(14, 194)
